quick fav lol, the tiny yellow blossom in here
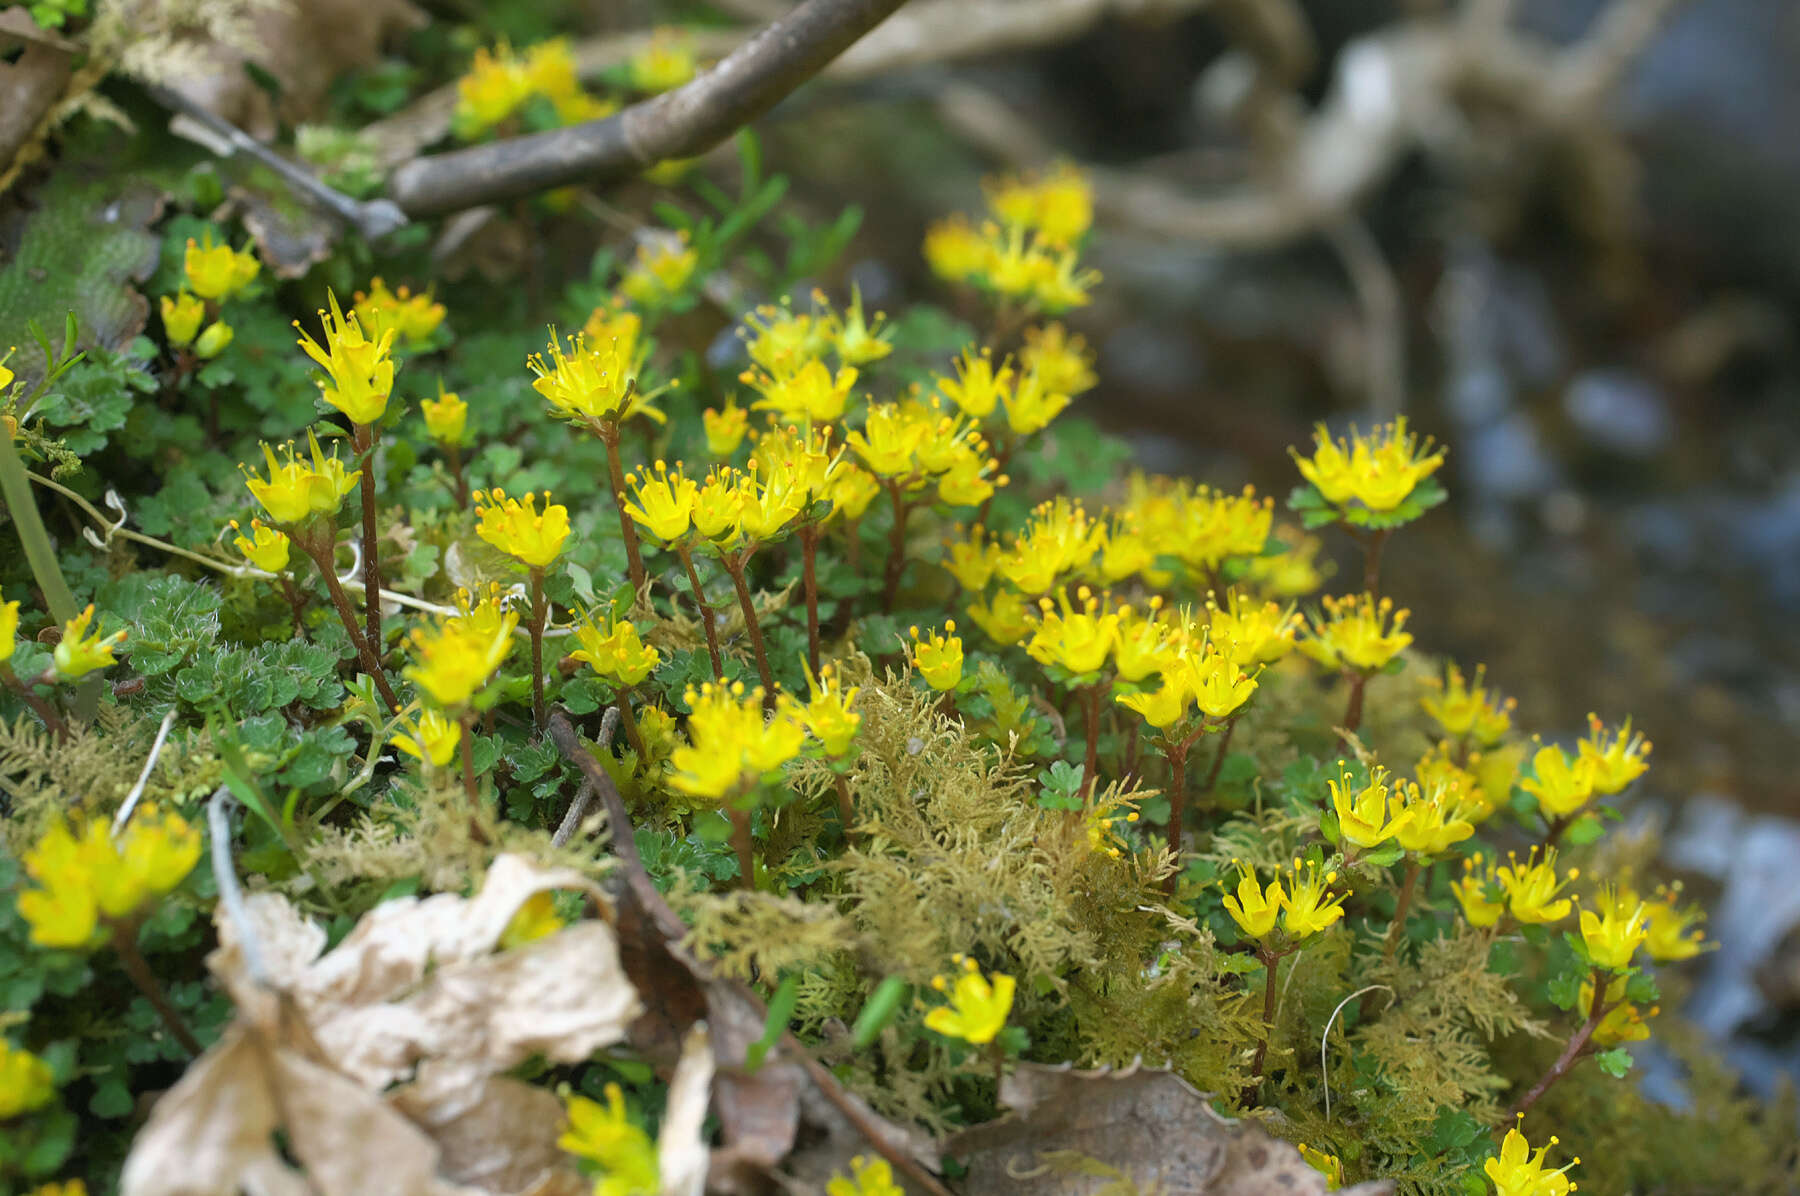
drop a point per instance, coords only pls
(1353, 634)
(1291, 573)
(1622, 1023)
(591, 381)
(1004, 617)
(660, 271)
(1365, 817)
(1126, 553)
(1219, 684)
(1253, 633)
(1379, 469)
(1674, 933)
(295, 492)
(1059, 207)
(446, 417)
(535, 919)
(265, 547)
(725, 429)
(1437, 821)
(1437, 772)
(1310, 906)
(1613, 935)
(810, 393)
(1515, 1171)
(212, 271)
(1077, 641)
(1613, 761)
(1060, 539)
(828, 715)
(611, 648)
(978, 1006)
(730, 742)
(664, 64)
(86, 878)
(718, 506)
(181, 317)
(214, 340)
(1255, 907)
(1468, 710)
(1479, 892)
(1496, 770)
(858, 339)
(359, 371)
(412, 317)
(1031, 405)
(868, 1177)
(971, 560)
(888, 440)
(433, 737)
(1164, 706)
(493, 89)
(1326, 1164)
(608, 1136)
(939, 657)
(455, 658)
(80, 652)
(663, 502)
(978, 385)
(1061, 362)
(1561, 785)
(26, 1082)
(515, 526)
(1532, 888)
(9, 629)
(1143, 644)
(954, 250)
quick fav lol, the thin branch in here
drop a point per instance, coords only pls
(231, 894)
(678, 124)
(584, 796)
(137, 790)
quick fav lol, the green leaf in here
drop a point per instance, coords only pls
(878, 1011)
(1584, 830)
(1615, 1062)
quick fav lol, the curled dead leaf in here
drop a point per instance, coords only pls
(1076, 1133)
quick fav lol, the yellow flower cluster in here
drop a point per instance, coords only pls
(295, 492)
(211, 275)
(1515, 1171)
(1353, 634)
(1530, 890)
(83, 648)
(413, 318)
(829, 714)
(1027, 252)
(660, 271)
(446, 417)
(978, 1004)
(517, 528)
(455, 657)
(614, 650)
(595, 380)
(664, 64)
(1305, 905)
(26, 1082)
(500, 82)
(606, 1134)
(1604, 765)
(732, 507)
(1379, 469)
(939, 657)
(432, 738)
(868, 1177)
(731, 744)
(86, 879)
(359, 370)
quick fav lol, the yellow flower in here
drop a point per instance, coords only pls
(591, 381)
(660, 271)
(1061, 362)
(972, 477)
(616, 327)
(1674, 932)
(1126, 552)
(1253, 633)
(181, 317)
(1437, 772)
(859, 340)
(1365, 819)
(868, 1177)
(1059, 207)
(888, 440)
(493, 89)
(1219, 684)
(1437, 821)
(1291, 573)
(1561, 785)
(71, 1187)
(455, 658)
(730, 742)
(939, 657)
(978, 1006)
(1077, 641)
(725, 429)
(664, 64)
(850, 490)
(1003, 618)
(446, 417)
(1532, 888)
(1326, 1164)
(1624, 1022)
(1060, 539)
(265, 547)
(1613, 762)
(828, 715)
(1517, 1172)
(84, 878)
(611, 648)
(9, 629)
(79, 653)
(1143, 644)
(718, 504)
(1379, 469)
(1163, 707)
(360, 370)
(214, 341)
(516, 528)
(1462, 709)
(1099, 820)
(244, 269)
(433, 737)
(1032, 405)
(1497, 769)
(1206, 527)
(413, 317)
(664, 502)
(605, 1134)
(535, 919)
(765, 509)
(212, 271)
(1479, 892)
(971, 560)
(810, 393)
(954, 250)
(978, 385)
(1255, 907)
(1310, 907)
(1056, 284)
(785, 339)
(1613, 935)
(26, 1082)
(294, 492)
(1353, 634)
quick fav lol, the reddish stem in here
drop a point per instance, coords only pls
(363, 437)
(321, 556)
(1091, 711)
(735, 563)
(1177, 754)
(124, 944)
(1571, 1054)
(52, 720)
(609, 436)
(467, 751)
(809, 581)
(708, 621)
(744, 845)
(540, 612)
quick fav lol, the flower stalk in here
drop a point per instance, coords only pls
(1580, 1045)
(45, 712)
(124, 944)
(320, 551)
(735, 564)
(708, 620)
(608, 432)
(809, 583)
(362, 437)
(896, 559)
(540, 614)
(743, 844)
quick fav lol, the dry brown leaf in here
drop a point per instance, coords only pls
(1074, 1133)
(30, 84)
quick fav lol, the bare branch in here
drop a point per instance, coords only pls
(678, 124)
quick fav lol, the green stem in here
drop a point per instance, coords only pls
(40, 554)
(52, 720)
